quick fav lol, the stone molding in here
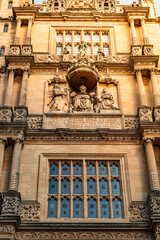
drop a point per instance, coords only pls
(45, 235)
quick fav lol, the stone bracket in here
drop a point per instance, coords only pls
(20, 114)
(145, 114)
(6, 114)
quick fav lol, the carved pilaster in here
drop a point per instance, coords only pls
(14, 175)
(6, 114)
(20, 114)
(145, 114)
(152, 168)
(11, 203)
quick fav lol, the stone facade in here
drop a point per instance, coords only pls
(79, 86)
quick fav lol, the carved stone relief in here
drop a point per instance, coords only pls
(10, 205)
(106, 101)
(82, 101)
(157, 114)
(15, 50)
(131, 123)
(154, 204)
(34, 123)
(82, 235)
(5, 114)
(30, 213)
(148, 50)
(26, 50)
(80, 3)
(145, 114)
(138, 213)
(58, 101)
(20, 114)
(136, 50)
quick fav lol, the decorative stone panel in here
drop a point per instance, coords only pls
(6, 114)
(20, 114)
(30, 212)
(80, 3)
(138, 213)
(26, 50)
(148, 50)
(34, 122)
(136, 50)
(154, 203)
(145, 114)
(157, 114)
(11, 203)
(15, 50)
(131, 123)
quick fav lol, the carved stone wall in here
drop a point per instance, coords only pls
(139, 213)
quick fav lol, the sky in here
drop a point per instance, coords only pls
(121, 1)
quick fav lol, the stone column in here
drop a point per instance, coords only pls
(14, 175)
(17, 35)
(28, 38)
(23, 93)
(145, 37)
(141, 90)
(9, 89)
(156, 94)
(2, 147)
(134, 36)
(151, 161)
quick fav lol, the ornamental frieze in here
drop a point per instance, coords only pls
(82, 235)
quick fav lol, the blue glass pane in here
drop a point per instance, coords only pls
(91, 187)
(77, 208)
(52, 208)
(65, 208)
(77, 187)
(114, 170)
(102, 170)
(65, 186)
(92, 208)
(53, 170)
(103, 186)
(104, 205)
(115, 187)
(5, 28)
(77, 170)
(65, 169)
(53, 186)
(117, 208)
(91, 170)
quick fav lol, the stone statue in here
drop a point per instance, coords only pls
(82, 101)
(100, 55)
(59, 99)
(65, 55)
(82, 49)
(106, 101)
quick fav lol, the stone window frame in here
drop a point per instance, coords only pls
(43, 184)
(56, 29)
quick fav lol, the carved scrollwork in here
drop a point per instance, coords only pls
(131, 123)
(10, 205)
(20, 114)
(154, 204)
(27, 50)
(15, 50)
(30, 213)
(34, 123)
(5, 114)
(157, 114)
(138, 213)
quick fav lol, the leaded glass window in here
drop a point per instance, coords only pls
(84, 188)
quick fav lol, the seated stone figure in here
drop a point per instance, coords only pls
(82, 101)
(106, 101)
(59, 99)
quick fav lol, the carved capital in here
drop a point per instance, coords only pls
(3, 141)
(145, 114)
(18, 140)
(157, 114)
(6, 114)
(148, 139)
(20, 114)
